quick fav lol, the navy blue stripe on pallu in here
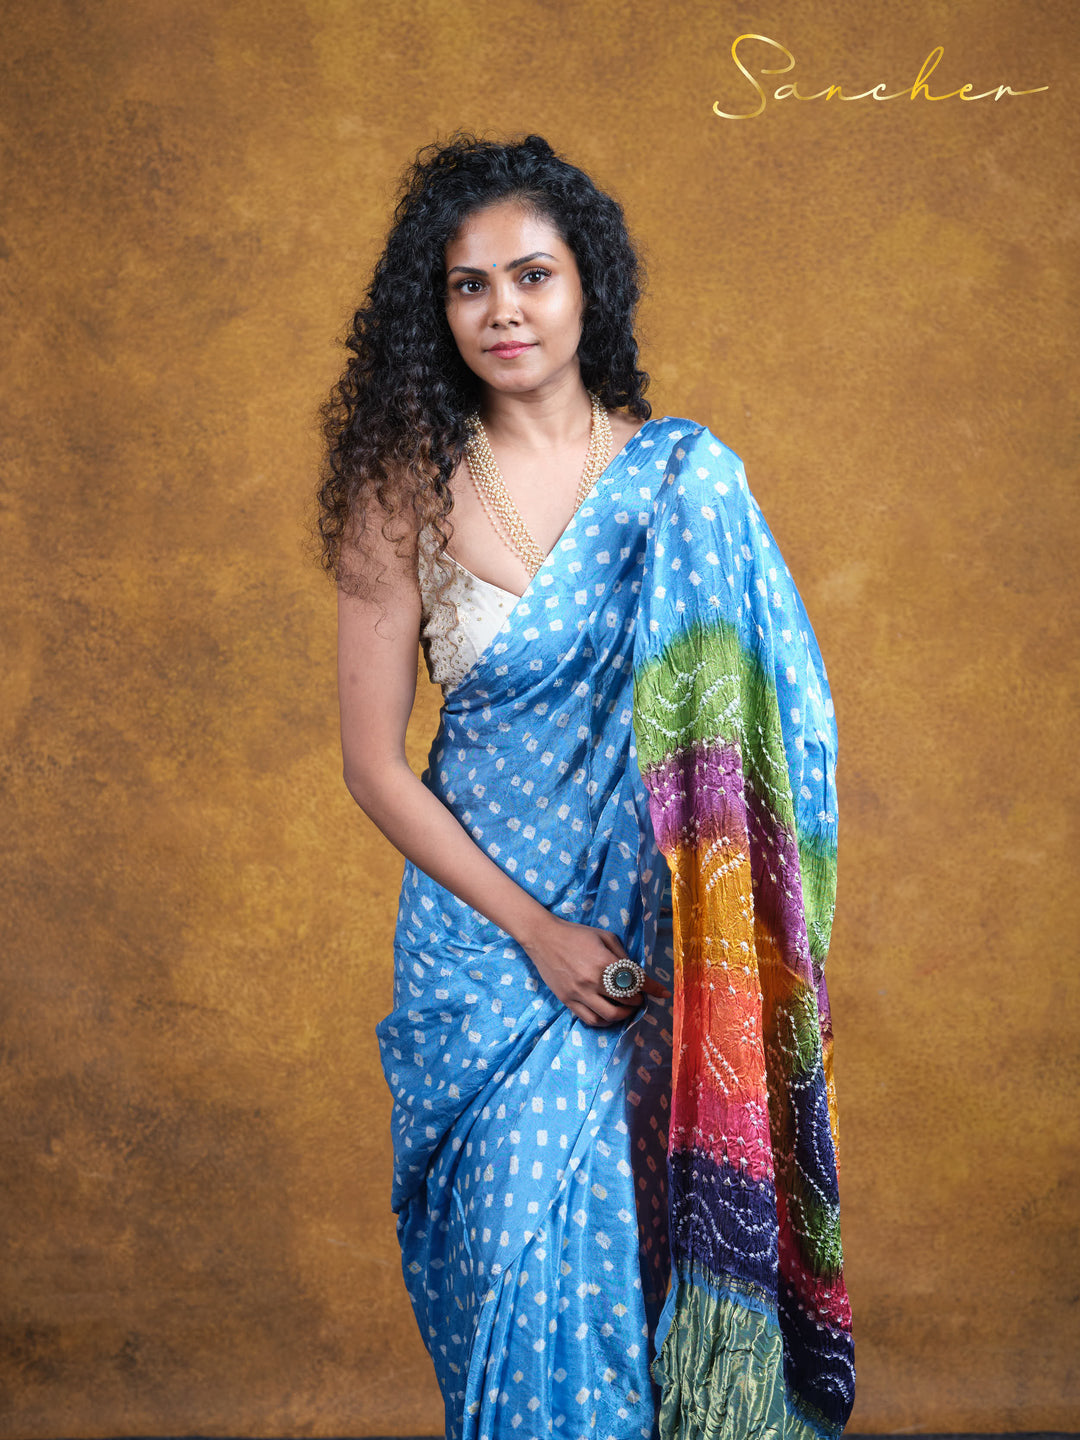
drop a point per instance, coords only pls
(723, 1221)
(819, 1361)
(815, 1157)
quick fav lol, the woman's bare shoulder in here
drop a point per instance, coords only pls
(379, 553)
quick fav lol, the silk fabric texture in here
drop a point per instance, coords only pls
(633, 1231)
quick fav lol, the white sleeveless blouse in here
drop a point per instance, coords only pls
(455, 632)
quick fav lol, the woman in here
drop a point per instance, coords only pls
(596, 1240)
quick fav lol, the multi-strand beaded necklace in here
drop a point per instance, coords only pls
(500, 509)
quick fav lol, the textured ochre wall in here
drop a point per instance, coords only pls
(874, 304)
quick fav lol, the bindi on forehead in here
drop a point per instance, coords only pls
(510, 264)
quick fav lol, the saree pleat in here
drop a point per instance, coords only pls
(633, 1231)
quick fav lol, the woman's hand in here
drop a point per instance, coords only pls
(571, 960)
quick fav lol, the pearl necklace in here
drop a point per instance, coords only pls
(500, 509)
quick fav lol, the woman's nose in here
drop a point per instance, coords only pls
(504, 308)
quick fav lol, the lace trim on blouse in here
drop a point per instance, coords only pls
(456, 632)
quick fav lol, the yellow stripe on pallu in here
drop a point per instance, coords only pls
(720, 1093)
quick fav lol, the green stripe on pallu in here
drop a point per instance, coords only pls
(721, 1367)
(816, 1222)
(817, 862)
(800, 1040)
(704, 686)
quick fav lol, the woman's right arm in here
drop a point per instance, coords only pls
(378, 644)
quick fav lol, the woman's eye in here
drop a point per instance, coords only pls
(464, 287)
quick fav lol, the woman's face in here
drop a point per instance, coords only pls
(514, 300)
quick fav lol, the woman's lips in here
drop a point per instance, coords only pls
(507, 352)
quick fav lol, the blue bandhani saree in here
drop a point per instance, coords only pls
(633, 1231)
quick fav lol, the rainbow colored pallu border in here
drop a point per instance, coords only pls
(757, 1330)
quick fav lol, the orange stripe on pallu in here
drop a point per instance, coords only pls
(720, 1101)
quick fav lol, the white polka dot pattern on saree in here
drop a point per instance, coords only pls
(530, 1149)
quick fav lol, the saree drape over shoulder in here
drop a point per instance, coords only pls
(633, 1231)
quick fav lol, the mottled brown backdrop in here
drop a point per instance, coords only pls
(874, 304)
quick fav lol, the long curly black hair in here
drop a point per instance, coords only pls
(394, 423)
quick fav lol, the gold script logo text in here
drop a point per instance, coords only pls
(918, 90)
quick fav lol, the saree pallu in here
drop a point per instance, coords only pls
(633, 1231)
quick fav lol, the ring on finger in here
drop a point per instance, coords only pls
(622, 980)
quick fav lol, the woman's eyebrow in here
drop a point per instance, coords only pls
(475, 270)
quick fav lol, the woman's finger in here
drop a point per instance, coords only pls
(615, 1011)
(587, 1016)
(606, 1012)
(621, 1010)
(613, 943)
